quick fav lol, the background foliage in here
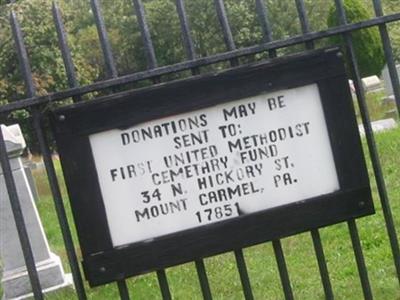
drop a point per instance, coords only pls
(367, 43)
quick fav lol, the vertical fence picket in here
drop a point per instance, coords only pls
(226, 29)
(191, 54)
(316, 238)
(10, 183)
(203, 279)
(111, 70)
(164, 286)
(45, 150)
(283, 272)
(123, 290)
(305, 26)
(185, 29)
(186, 35)
(322, 266)
(376, 164)
(230, 44)
(358, 253)
(265, 25)
(59, 206)
(145, 33)
(152, 63)
(65, 51)
(244, 276)
(371, 145)
(394, 77)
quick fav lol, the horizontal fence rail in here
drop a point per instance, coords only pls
(37, 104)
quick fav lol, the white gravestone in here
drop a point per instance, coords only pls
(388, 82)
(15, 281)
(379, 126)
(371, 83)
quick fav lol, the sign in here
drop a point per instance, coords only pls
(213, 164)
(172, 173)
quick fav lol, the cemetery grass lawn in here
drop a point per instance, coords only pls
(377, 108)
(301, 262)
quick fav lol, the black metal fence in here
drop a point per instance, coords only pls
(37, 104)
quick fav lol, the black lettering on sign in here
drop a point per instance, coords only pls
(164, 129)
(230, 176)
(229, 130)
(191, 139)
(177, 189)
(276, 102)
(284, 179)
(218, 212)
(283, 163)
(258, 154)
(239, 111)
(191, 156)
(228, 193)
(131, 171)
(160, 209)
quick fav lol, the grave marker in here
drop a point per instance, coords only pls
(15, 279)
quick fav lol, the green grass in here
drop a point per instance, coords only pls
(302, 265)
(376, 107)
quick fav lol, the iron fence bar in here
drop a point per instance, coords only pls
(278, 251)
(387, 48)
(305, 26)
(244, 276)
(362, 270)
(10, 183)
(203, 279)
(145, 32)
(262, 13)
(376, 164)
(164, 287)
(123, 290)
(226, 29)
(191, 54)
(185, 29)
(358, 253)
(202, 61)
(186, 35)
(322, 266)
(19, 220)
(283, 272)
(223, 20)
(230, 44)
(316, 238)
(152, 63)
(65, 50)
(188, 41)
(44, 148)
(24, 65)
(111, 70)
(59, 205)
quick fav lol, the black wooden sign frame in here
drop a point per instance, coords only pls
(72, 126)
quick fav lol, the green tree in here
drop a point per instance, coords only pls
(367, 43)
(41, 43)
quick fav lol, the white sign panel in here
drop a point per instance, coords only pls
(213, 164)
